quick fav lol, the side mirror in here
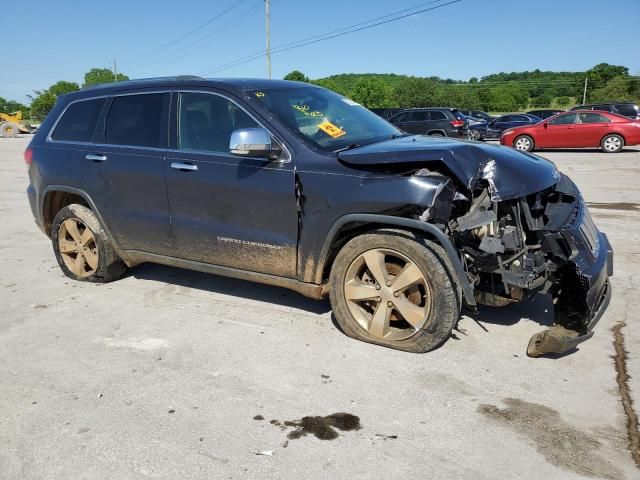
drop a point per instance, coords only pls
(253, 142)
(545, 124)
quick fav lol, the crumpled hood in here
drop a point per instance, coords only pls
(509, 173)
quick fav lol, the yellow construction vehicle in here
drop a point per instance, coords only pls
(11, 124)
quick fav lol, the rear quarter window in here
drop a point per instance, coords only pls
(78, 122)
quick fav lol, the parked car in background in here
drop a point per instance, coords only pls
(626, 109)
(545, 112)
(479, 114)
(493, 129)
(436, 121)
(579, 129)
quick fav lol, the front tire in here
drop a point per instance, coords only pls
(524, 143)
(612, 143)
(83, 248)
(390, 288)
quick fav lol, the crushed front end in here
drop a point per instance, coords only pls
(544, 242)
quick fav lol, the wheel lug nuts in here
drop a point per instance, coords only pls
(389, 304)
(396, 294)
(388, 284)
(377, 287)
(378, 299)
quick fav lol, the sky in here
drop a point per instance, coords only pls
(62, 39)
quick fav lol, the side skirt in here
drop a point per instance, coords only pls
(311, 290)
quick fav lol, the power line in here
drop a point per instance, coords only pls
(200, 42)
(327, 36)
(234, 5)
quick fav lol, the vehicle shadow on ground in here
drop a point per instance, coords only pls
(229, 286)
(538, 310)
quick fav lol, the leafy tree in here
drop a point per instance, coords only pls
(416, 92)
(10, 106)
(102, 75)
(297, 76)
(44, 100)
(372, 93)
(617, 89)
(331, 84)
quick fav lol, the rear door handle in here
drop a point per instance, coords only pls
(96, 158)
(184, 166)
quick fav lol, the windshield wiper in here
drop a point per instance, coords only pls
(351, 146)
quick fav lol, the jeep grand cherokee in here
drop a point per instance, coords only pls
(293, 185)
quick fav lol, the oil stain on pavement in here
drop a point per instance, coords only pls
(323, 428)
(561, 444)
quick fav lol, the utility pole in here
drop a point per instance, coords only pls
(115, 71)
(268, 16)
(584, 95)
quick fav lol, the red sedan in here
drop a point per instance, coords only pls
(576, 129)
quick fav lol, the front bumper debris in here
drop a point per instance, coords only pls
(593, 269)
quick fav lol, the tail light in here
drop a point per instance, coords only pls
(457, 123)
(28, 156)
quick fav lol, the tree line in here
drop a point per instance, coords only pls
(42, 101)
(501, 92)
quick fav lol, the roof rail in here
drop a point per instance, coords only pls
(138, 80)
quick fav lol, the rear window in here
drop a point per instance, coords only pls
(78, 122)
(627, 110)
(136, 120)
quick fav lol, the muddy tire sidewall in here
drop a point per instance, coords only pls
(445, 308)
(110, 266)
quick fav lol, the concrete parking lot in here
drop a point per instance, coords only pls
(171, 374)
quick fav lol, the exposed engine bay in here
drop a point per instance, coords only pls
(513, 249)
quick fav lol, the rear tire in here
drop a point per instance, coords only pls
(83, 248)
(436, 134)
(612, 143)
(373, 304)
(524, 143)
(9, 129)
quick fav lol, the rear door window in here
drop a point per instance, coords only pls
(137, 120)
(420, 116)
(592, 118)
(78, 122)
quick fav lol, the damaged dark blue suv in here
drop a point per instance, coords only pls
(292, 185)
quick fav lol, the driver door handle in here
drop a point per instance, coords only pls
(96, 158)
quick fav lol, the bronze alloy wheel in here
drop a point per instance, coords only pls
(78, 247)
(387, 294)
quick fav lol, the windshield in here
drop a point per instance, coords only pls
(324, 118)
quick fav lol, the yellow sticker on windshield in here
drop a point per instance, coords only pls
(259, 94)
(331, 129)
